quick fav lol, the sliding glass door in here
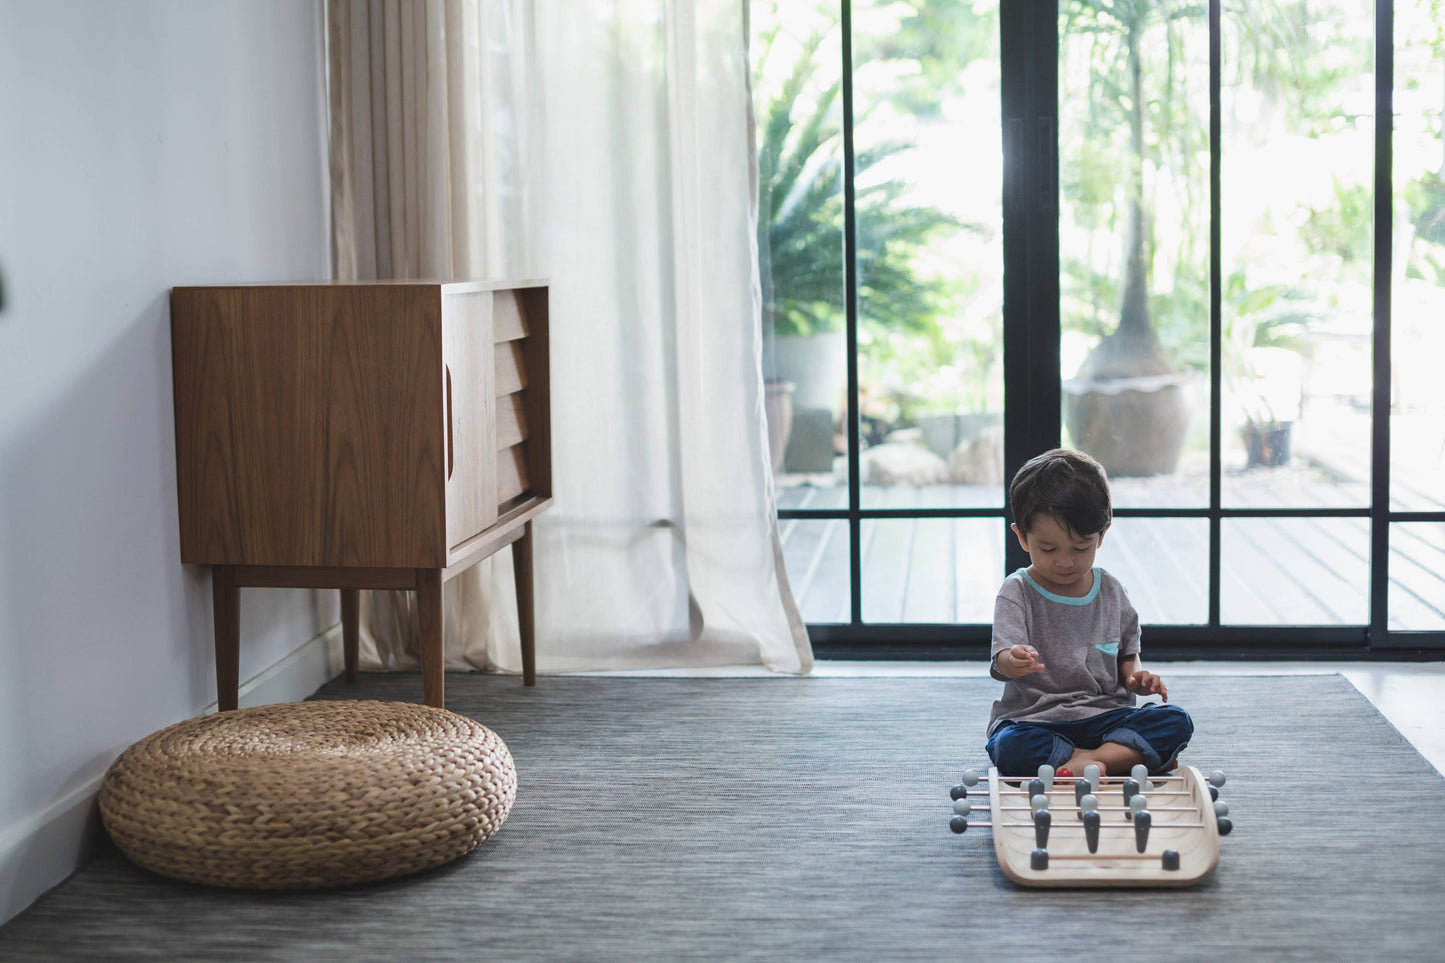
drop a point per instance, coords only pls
(1192, 241)
(882, 294)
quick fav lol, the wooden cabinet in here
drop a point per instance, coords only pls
(360, 435)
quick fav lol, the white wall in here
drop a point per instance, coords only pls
(143, 144)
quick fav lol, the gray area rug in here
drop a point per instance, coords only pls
(807, 819)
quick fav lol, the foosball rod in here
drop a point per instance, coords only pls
(1029, 827)
(1163, 777)
(1012, 790)
(1098, 856)
(1074, 809)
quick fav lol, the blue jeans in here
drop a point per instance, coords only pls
(1158, 732)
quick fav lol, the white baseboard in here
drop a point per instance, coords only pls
(44, 848)
(296, 676)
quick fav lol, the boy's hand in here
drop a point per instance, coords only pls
(1144, 682)
(1019, 661)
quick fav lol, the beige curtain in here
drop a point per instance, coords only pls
(451, 122)
(423, 186)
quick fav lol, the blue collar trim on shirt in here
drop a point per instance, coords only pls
(1065, 599)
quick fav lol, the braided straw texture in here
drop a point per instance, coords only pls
(308, 794)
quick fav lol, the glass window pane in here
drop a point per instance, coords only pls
(1297, 155)
(1295, 571)
(931, 570)
(1134, 244)
(1417, 576)
(1164, 565)
(813, 497)
(815, 554)
(928, 175)
(796, 53)
(931, 496)
(1417, 300)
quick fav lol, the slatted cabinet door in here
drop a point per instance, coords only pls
(523, 439)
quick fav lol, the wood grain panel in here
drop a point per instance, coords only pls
(511, 421)
(309, 424)
(522, 574)
(430, 624)
(511, 367)
(319, 577)
(206, 483)
(469, 382)
(381, 368)
(509, 318)
(511, 473)
(226, 618)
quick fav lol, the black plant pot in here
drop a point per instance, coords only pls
(1266, 446)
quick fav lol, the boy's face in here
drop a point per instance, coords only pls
(1062, 559)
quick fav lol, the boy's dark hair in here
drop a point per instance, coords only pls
(1066, 484)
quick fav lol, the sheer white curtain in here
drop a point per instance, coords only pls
(606, 147)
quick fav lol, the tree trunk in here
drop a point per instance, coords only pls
(1133, 428)
(1132, 349)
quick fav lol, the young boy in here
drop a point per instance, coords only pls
(1066, 639)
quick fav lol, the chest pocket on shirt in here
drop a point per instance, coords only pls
(1103, 663)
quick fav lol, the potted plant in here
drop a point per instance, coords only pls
(1263, 367)
(949, 385)
(1270, 403)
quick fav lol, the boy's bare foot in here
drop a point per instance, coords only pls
(1079, 760)
(1112, 759)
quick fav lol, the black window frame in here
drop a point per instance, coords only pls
(1029, 48)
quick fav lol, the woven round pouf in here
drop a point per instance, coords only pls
(308, 794)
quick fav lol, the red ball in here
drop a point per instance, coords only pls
(1065, 773)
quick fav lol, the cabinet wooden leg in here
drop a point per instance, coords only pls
(522, 572)
(350, 627)
(429, 624)
(226, 611)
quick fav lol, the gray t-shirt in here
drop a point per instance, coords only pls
(1079, 640)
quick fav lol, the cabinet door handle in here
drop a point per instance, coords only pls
(451, 431)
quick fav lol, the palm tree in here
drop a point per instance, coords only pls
(800, 226)
(801, 253)
(1118, 29)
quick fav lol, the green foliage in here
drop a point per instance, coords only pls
(907, 374)
(919, 349)
(800, 235)
(1425, 196)
(1303, 62)
(1260, 316)
(1132, 153)
(937, 38)
(1263, 316)
(1337, 229)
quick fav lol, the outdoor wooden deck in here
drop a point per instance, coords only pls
(1275, 571)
